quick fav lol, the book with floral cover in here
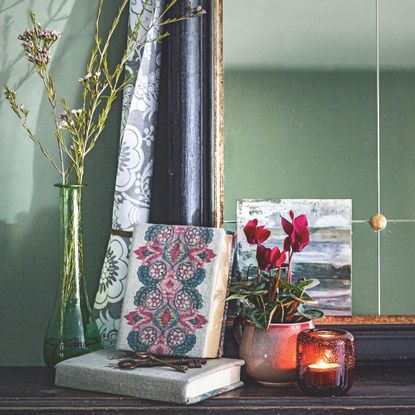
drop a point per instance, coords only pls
(176, 288)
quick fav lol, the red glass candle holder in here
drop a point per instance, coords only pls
(325, 362)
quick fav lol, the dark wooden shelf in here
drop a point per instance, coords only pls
(386, 388)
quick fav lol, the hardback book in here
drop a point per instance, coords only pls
(99, 372)
(177, 282)
(225, 314)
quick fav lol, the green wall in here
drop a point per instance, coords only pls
(312, 134)
(29, 268)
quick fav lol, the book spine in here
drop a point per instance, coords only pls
(225, 313)
(216, 318)
(215, 392)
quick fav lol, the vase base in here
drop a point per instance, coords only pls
(276, 384)
(55, 352)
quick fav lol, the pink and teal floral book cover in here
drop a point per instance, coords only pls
(176, 288)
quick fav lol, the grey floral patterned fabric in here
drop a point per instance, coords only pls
(135, 166)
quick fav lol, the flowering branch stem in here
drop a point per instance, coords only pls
(42, 149)
(101, 86)
(50, 90)
(23, 114)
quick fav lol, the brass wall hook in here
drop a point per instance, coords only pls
(378, 222)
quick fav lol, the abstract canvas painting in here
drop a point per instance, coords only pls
(328, 257)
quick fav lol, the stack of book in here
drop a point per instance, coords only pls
(174, 306)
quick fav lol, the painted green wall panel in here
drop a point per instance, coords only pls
(398, 144)
(300, 135)
(398, 269)
(29, 202)
(364, 270)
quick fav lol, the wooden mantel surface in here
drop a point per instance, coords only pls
(388, 388)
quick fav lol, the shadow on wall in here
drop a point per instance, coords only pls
(7, 62)
(16, 71)
(29, 217)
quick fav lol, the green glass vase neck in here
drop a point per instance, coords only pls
(70, 186)
(71, 331)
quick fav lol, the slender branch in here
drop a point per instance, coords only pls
(23, 114)
(101, 86)
(112, 30)
(42, 149)
(50, 90)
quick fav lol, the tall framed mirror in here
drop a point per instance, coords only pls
(298, 116)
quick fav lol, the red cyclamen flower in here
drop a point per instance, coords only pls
(269, 258)
(256, 234)
(297, 231)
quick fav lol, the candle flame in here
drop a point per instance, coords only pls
(321, 364)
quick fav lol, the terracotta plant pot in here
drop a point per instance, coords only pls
(270, 355)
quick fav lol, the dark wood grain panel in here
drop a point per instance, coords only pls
(182, 191)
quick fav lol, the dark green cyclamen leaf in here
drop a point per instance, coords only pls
(265, 275)
(253, 292)
(272, 312)
(242, 295)
(307, 284)
(310, 313)
(291, 288)
(236, 296)
(258, 319)
(305, 298)
(242, 284)
(246, 304)
(259, 292)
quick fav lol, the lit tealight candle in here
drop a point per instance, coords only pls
(322, 374)
(325, 362)
(321, 365)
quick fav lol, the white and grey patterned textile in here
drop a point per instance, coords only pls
(135, 166)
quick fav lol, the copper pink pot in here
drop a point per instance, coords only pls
(270, 355)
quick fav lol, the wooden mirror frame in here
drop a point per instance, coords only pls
(378, 336)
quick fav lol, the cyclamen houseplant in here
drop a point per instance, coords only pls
(273, 311)
(271, 298)
(71, 329)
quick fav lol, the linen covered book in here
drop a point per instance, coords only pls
(99, 372)
(177, 283)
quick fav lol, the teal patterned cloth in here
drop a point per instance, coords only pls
(135, 167)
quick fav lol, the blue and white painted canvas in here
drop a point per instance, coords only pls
(328, 257)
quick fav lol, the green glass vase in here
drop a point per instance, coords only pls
(71, 330)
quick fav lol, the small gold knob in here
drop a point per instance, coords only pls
(378, 222)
